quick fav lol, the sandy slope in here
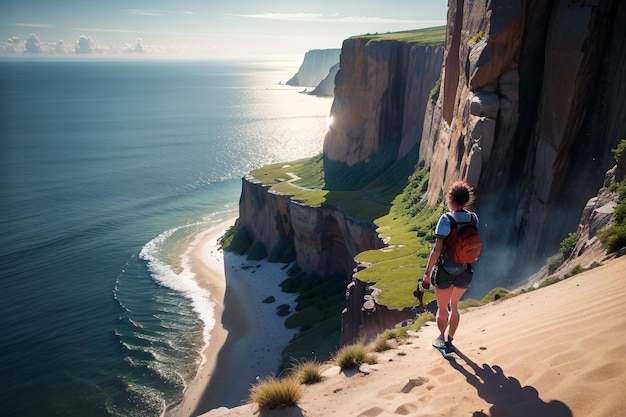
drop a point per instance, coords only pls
(558, 352)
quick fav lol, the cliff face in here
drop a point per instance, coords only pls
(315, 67)
(326, 240)
(531, 102)
(381, 91)
(326, 87)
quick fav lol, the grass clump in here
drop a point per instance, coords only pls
(493, 295)
(381, 342)
(478, 36)
(565, 251)
(353, 355)
(614, 237)
(434, 93)
(549, 281)
(272, 393)
(421, 320)
(308, 372)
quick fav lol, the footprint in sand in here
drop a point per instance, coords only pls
(372, 412)
(436, 371)
(406, 409)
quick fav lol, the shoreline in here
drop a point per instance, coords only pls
(248, 337)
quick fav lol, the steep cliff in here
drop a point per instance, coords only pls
(531, 102)
(326, 87)
(325, 239)
(315, 67)
(381, 91)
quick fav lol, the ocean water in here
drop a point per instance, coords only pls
(107, 171)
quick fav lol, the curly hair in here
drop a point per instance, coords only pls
(461, 193)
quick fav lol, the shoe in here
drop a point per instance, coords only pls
(439, 342)
(448, 346)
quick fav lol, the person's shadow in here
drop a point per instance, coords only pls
(506, 394)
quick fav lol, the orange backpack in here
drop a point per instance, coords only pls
(463, 244)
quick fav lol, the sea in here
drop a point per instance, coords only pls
(108, 169)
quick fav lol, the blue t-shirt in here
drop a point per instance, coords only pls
(443, 229)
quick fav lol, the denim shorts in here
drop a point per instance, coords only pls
(443, 279)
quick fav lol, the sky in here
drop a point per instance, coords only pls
(201, 28)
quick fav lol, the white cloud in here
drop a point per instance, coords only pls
(157, 12)
(60, 48)
(33, 44)
(87, 30)
(370, 19)
(142, 12)
(335, 18)
(84, 45)
(34, 25)
(11, 46)
(309, 17)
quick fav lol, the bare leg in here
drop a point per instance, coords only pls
(455, 316)
(443, 300)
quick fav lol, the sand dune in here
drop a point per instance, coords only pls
(555, 352)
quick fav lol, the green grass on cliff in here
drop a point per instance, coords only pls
(360, 191)
(409, 231)
(428, 36)
(392, 201)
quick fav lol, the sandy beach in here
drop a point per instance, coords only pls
(554, 352)
(248, 336)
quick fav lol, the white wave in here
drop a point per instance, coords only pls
(183, 282)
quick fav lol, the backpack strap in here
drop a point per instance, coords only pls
(453, 223)
(446, 245)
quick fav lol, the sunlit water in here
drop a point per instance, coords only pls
(107, 171)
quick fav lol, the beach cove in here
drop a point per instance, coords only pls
(248, 336)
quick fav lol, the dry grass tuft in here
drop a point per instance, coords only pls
(308, 372)
(273, 392)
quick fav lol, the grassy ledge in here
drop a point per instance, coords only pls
(428, 36)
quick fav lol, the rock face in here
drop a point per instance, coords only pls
(326, 87)
(531, 102)
(597, 214)
(326, 240)
(315, 67)
(381, 92)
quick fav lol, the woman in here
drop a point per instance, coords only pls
(451, 279)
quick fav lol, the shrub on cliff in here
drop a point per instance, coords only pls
(565, 250)
(308, 372)
(273, 392)
(434, 93)
(350, 356)
(614, 237)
